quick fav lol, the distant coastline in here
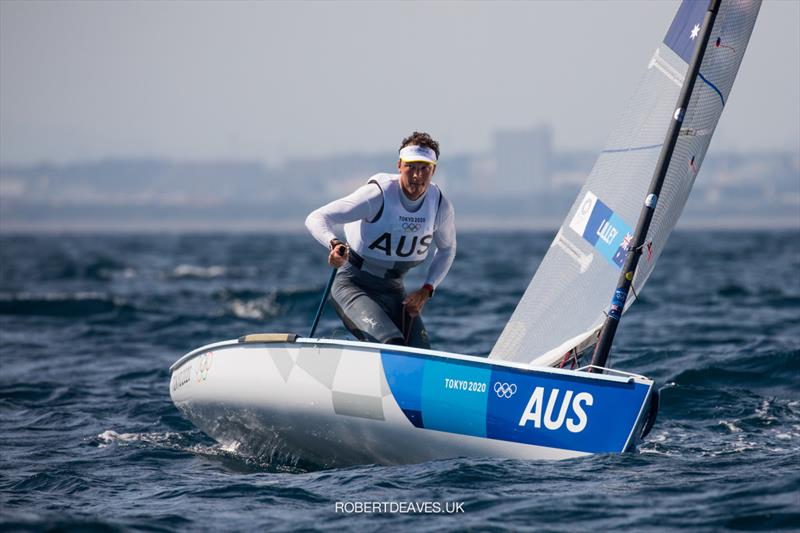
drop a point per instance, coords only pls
(520, 190)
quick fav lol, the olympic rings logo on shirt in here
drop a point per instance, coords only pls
(411, 226)
(505, 390)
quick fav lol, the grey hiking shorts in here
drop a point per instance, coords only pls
(372, 309)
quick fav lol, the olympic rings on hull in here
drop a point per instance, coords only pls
(505, 390)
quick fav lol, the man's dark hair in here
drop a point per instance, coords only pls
(421, 139)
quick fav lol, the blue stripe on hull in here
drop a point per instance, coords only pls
(525, 406)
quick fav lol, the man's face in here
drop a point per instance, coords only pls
(415, 177)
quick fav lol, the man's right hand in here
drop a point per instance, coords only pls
(339, 254)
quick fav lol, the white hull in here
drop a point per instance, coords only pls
(336, 403)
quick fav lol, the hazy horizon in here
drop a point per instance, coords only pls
(271, 81)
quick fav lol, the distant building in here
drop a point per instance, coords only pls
(523, 159)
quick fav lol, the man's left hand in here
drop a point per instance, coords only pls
(415, 301)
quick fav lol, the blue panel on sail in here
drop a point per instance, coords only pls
(603, 229)
(600, 214)
(684, 32)
(614, 240)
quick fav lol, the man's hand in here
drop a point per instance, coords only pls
(415, 301)
(339, 254)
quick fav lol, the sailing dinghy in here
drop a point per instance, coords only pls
(336, 402)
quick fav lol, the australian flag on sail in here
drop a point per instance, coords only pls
(622, 251)
(684, 32)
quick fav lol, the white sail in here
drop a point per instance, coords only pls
(565, 304)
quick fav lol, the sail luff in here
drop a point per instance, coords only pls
(603, 346)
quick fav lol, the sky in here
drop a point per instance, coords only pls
(271, 81)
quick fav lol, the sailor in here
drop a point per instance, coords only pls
(391, 224)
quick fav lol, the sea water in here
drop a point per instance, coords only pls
(89, 439)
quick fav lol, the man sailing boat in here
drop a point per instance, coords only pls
(390, 225)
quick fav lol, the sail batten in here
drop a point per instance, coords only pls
(568, 297)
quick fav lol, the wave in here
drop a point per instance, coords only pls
(198, 272)
(241, 304)
(187, 441)
(766, 370)
(259, 305)
(64, 480)
(59, 266)
(109, 437)
(257, 309)
(16, 521)
(61, 304)
(103, 269)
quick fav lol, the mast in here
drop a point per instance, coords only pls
(609, 328)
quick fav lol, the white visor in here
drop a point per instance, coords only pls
(413, 154)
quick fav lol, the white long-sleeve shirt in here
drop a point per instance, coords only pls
(365, 203)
